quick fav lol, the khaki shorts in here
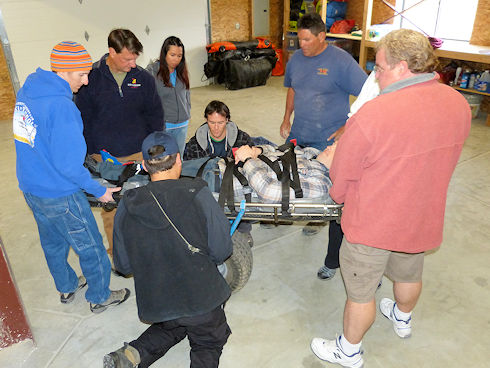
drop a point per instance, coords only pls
(363, 267)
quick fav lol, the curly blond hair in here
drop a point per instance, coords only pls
(410, 46)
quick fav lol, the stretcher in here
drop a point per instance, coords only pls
(224, 177)
(237, 269)
(299, 210)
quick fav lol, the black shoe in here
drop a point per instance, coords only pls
(312, 228)
(67, 298)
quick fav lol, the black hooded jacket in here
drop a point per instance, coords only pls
(172, 280)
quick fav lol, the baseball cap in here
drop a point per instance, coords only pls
(159, 139)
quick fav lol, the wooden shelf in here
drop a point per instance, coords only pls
(472, 91)
(464, 51)
(458, 50)
(345, 36)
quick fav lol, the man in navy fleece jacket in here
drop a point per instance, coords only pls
(120, 106)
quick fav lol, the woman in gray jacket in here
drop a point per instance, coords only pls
(172, 82)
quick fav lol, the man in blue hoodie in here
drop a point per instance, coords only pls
(48, 132)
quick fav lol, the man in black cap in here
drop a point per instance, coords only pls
(171, 234)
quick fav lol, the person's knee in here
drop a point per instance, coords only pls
(212, 333)
(362, 268)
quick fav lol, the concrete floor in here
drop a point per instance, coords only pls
(284, 305)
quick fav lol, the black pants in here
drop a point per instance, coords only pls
(335, 235)
(207, 335)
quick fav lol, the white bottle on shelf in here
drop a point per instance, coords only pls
(484, 82)
(472, 80)
(458, 73)
(485, 76)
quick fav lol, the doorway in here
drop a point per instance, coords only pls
(261, 12)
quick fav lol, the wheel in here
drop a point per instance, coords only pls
(249, 239)
(237, 269)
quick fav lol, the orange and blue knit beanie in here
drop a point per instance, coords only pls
(69, 56)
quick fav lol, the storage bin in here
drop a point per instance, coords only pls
(474, 100)
(475, 109)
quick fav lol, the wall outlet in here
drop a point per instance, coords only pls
(237, 25)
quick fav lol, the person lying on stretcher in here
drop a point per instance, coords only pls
(312, 172)
(312, 168)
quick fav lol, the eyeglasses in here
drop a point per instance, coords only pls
(378, 69)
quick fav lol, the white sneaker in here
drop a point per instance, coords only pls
(331, 351)
(402, 328)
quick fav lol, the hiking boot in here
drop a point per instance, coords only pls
(67, 298)
(402, 328)
(331, 351)
(312, 228)
(125, 357)
(115, 298)
(325, 273)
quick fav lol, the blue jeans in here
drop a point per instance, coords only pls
(66, 222)
(179, 132)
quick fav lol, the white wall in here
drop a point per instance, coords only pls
(35, 26)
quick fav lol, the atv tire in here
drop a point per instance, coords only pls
(238, 266)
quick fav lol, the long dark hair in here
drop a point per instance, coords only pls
(163, 72)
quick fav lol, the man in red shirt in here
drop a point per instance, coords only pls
(391, 170)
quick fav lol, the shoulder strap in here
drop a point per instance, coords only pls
(191, 248)
(289, 166)
(274, 165)
(226, 195)
(244, 182)
(289, 160)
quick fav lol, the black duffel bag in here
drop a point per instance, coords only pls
(248, 72)
(216, 63)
